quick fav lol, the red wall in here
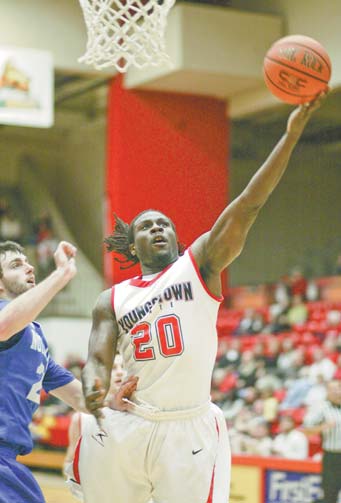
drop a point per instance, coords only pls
(167, 152)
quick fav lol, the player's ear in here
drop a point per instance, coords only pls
(132, 250)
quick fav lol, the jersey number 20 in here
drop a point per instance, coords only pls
(169, 337)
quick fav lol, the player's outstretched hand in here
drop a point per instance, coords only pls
(127, 388)
(64, 258)
(301, 115)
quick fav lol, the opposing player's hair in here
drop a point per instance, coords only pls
(123, 236)
(8, 246)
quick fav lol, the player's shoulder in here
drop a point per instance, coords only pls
(103, 300)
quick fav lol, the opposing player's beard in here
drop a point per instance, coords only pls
(14, 288)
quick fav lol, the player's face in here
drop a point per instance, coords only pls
(117, 374)
(155, 241)
(18, 275)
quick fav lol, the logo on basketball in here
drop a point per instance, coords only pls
(292, 82)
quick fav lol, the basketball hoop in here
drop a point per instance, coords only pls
(125, 32)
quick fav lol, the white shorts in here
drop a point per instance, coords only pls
(169, 461)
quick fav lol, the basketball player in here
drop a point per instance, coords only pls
(79, 421)
(25, 364)
(174, 446)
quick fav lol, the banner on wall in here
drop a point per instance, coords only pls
(245, 484)
(26, 87)
(292, 487)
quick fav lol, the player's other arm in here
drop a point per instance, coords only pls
(96, 373)
(216, 249)
(24, 309)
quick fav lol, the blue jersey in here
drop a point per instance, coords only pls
(25, 369)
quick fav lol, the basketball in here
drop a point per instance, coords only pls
(296, 69)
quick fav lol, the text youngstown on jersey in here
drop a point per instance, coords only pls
(179, 291)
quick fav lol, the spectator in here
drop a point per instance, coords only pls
(297, 390)
(258, 442)
(251, 323)
(10, 227)
(44, 253)
(322, 366)
(224, 381)
(258, 351)
(247, 369)
(286, 359)
(297, 282)
(272, 354)
(290, 443)
(231, 355)
(316, 394)
(246, 401)
(270, 404)
(282, 293)
(298, 311)
(312, 293)
(43, 227)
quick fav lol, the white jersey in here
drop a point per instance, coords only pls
(167, 335)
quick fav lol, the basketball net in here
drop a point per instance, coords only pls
(125, 32)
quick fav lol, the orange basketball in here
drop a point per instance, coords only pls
(296, 69)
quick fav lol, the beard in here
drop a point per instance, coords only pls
(14, 288)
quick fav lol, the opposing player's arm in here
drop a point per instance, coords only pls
(71, 394)
(102, 349)
(216, 249)
(24, 309)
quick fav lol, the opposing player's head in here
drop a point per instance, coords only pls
(16, 273)
(118, 373)
(150, 239)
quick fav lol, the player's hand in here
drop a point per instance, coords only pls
(127, 388)
(95, 400)
(301, 115)
(64, 258)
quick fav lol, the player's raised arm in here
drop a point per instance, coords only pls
(23, 309)
(216, 249)
(96, 373)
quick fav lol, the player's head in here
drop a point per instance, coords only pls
(117, 374)
(150, 239)
(16, 273)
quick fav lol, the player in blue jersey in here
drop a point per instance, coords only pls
(25, 364)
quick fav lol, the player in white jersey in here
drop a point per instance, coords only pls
(173, 447)
(80, 422)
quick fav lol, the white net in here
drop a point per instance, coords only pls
(125, 32)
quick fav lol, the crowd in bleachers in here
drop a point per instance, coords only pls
(272, 368)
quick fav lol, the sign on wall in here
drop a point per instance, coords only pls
(26, 87)
(292, 487)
